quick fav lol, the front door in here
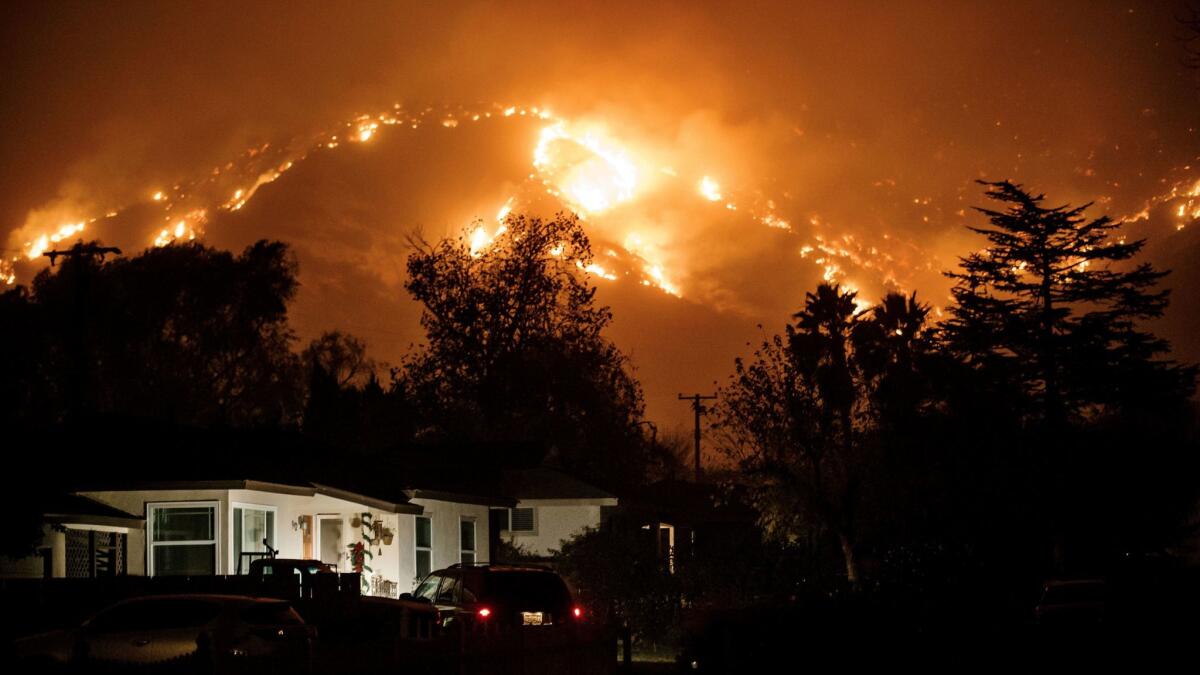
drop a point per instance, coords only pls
(329, 540)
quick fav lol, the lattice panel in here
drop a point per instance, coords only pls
(78, 554)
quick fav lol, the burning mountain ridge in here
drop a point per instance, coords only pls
(575, 165)
(628, 192)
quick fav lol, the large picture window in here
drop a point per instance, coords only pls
(182, 538)
(252, 526)
(424, 545)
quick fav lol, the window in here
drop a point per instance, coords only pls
(467, 539)
(448, 592)
(182, 538)
(252, 525)
(523, 520)
(424, 545)
(428, 588)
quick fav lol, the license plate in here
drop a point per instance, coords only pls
(531, 618)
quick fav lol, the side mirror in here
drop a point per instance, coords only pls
(406, 596)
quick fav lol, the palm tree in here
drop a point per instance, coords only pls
(820, 346)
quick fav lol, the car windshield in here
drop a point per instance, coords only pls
(156, 613)
(531, 589)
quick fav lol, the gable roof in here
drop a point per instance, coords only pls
(63, 508)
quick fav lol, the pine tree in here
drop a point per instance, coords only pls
(1054, 307)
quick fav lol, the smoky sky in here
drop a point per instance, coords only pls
(862, 120)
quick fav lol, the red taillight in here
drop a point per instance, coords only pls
(484, 612)
(578, 612)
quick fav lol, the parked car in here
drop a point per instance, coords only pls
(1072, 603)
(487, 595)
(179, 633)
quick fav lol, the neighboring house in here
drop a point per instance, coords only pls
(81, 538)
(551, 507)
(688, 519)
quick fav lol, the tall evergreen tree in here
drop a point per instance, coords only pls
(1053, 307)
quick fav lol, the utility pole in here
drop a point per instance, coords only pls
(699, 409)
(79, 366)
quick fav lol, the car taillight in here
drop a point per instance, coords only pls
(484, 612)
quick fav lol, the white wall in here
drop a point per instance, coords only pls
(396, 563)
(134, 501)
(288, 539)
(446, 518)
(554, 521)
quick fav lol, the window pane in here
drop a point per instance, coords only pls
(468, 558)
(468, 535)
(186, 523)
(428, 588)
(448, 593)
(424, 532)
(185, 559)
(254, 529)
(424, 564)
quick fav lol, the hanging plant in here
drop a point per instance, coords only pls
(358, 557)
(360, 552)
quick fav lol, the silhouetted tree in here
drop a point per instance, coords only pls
(1048, 321)
(1048, 306)
(346, 407)
(792, 418)
(896, 353)
(515, 348)
(182, 333)
(342, 356)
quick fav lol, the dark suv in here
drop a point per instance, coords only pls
(502, 596)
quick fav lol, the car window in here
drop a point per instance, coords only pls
(125, 616)
(471, 586)
(428, 588)
(271, 614)
(448, 591)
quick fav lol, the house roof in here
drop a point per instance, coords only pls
(65, 508)
(544, 483)
(307, 490)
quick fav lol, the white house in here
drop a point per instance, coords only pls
(204, 527)
(551, 508)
